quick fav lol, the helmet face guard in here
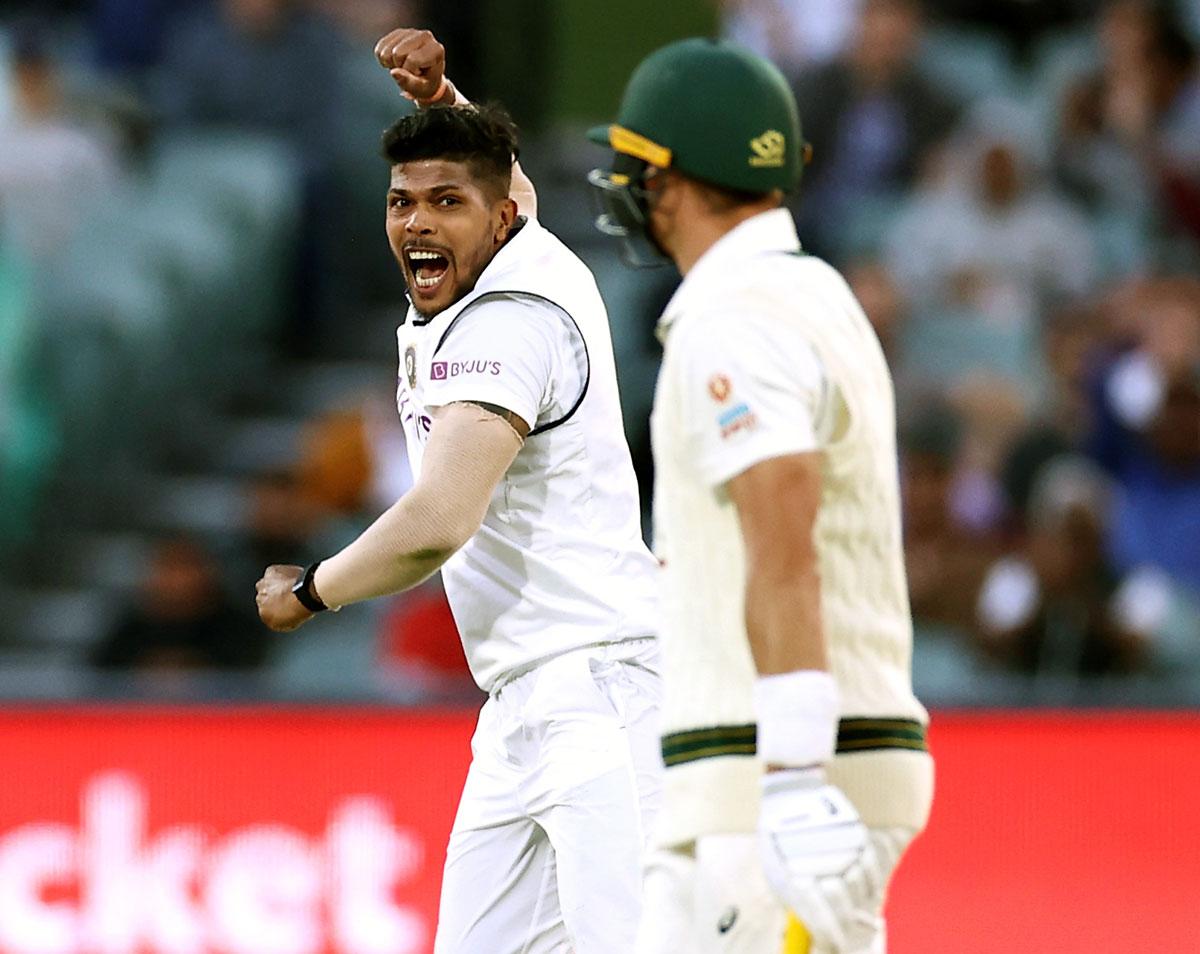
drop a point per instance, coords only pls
(622, 205)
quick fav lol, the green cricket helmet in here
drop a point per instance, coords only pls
(709, 109)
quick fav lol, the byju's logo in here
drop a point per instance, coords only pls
(441, 370)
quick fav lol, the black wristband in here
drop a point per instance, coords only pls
(306, 593)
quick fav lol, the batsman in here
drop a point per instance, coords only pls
(797, 771)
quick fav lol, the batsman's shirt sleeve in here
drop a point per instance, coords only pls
(520, 352)
(753, 390)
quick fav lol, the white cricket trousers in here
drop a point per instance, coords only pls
(716, 900)
(547, 848)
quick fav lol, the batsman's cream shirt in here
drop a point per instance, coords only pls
(559, 561)
(767, 353)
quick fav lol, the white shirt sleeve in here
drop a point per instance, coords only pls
(519, 352)
(750, 394)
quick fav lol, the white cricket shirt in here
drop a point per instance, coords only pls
(767, 353)
(559, 561)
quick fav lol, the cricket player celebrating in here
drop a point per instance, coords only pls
(525, 497)
(786, 627)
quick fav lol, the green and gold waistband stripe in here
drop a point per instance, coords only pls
(857, 735)
(854, 735)
(680, 747)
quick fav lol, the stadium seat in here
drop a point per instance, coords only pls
(250, 185)
(973, 65)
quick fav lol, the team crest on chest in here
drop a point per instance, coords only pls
(410, 365)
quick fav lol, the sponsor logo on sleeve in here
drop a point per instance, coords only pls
(738, 418)
(719, 388)
(441, 370)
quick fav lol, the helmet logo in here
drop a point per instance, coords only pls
(768, 149)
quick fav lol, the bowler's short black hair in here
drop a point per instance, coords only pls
(484, 137)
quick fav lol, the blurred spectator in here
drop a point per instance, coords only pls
(872, 119)
(130, 34)
(1147, 413)
(1020, 21)
(994, 413)
(280, 520)
(331, 482)
(262, 65)
(268, 66)
(876, 291)
(1072, 338)
(362, 269)
(53, 171)
(1130, 132)
(792, 33)
(1051, 607)
(183, 620)
(945, 562)
(335, 466)
(994, 239)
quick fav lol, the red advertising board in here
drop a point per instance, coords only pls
(302, 831)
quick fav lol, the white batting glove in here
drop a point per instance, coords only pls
(810, 838)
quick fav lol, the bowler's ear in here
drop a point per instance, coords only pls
(508, 217)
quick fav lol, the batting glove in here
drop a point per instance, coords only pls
(811, 839)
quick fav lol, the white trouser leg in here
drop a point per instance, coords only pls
(668, 890)
(545, 856)
(499, 887)
(595, 790)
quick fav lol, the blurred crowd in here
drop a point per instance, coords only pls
(189, 197)
(1013, 190)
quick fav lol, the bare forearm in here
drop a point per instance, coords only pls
(407, 544)
(468, 452)
(783, 620)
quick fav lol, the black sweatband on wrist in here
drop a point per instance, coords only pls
(306, 592)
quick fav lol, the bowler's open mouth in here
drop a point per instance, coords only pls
(428, 268)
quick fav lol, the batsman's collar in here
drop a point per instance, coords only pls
(768, 232)
(629, 143)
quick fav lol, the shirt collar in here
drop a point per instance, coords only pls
(771, 231)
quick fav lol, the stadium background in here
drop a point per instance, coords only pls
(196, 357)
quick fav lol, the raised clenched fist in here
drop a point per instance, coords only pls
(416, 61)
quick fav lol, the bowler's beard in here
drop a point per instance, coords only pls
(464, 289)
(468, 286)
